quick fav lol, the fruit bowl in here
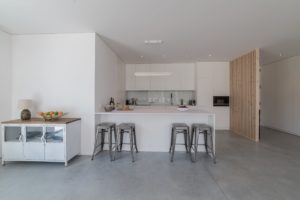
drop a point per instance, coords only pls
(51, 115)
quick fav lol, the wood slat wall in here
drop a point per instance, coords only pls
(244, 95)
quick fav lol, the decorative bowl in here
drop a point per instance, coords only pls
(182, 108)
(108, 108)
(51, 115)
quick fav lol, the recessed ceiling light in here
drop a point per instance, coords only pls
(209, 55)
(280, 54)
(141, 56)
(153, 41)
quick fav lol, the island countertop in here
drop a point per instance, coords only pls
(42, 121)
(156, 110)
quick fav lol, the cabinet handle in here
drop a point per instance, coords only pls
(43, 139)
(20, 138)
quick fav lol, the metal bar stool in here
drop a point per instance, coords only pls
(130, 129)
(101, 129)
(206, 130)
(178, 128)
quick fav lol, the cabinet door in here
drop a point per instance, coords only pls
(142, 82)
(54, 143)
(187, 72)
(173, 82)
(34, 145)
(12, 143)
(158, 82)
(130, 78)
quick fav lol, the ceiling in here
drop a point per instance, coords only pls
(190, 29)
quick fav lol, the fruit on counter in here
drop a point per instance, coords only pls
(51, 114)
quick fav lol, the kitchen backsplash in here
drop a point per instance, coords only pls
(161, 97)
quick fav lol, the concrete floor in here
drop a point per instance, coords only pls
(245, 171)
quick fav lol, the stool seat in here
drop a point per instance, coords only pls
(180, 126)
(202, 127)
(106, 125)
(126, 126)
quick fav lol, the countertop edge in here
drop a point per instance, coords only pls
(41, 121)
(152, 113)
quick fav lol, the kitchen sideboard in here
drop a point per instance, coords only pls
(40, 140)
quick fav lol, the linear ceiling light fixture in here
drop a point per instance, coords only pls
(152, 73)
(153, 42)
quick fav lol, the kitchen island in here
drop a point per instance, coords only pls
(153, 125)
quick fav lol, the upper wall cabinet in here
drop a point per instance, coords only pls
(158, 82)
(161, 77)
(186, 76)
(174, 82)
(130, 78)
(142, 82)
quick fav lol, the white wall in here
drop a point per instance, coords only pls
(280, 95)
(5, 78)
(109, 76)
(213, 80)
(57, 71)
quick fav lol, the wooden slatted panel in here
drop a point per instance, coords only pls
(244, 95)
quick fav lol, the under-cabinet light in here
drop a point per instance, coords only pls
(152, 73)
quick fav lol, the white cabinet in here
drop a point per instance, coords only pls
(54, 142)
(33, 142)
(187, 77)
(12, 142)
(38, 140)
(173, 82)
(181, 77)
(130, 78)
(142, 82)
(158, 82)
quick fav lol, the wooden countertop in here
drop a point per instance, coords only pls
(42, 121)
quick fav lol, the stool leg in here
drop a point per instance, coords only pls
(121, 139)
(116, 143)
(102, 138)
(192, 136)
(213, 149)
(110, 144)
(95, 144)
(196, 146)
(134, 134)
(193, 142)
(185, 141)
(115, 135)
(188, 140)
(205, 141)
(131, 144)
(173, 145)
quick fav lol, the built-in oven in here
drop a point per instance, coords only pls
(221, 101)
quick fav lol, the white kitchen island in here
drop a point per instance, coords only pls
(153, 125)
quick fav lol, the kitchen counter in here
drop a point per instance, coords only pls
(154, 123)
(42, 121)
(157, 110)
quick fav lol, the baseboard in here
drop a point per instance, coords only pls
(280, 130)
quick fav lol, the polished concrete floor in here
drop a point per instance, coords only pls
(244, 171)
